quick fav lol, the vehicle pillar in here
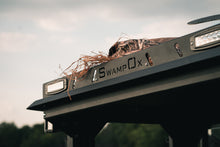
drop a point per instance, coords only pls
(185, 134)
(83, 134)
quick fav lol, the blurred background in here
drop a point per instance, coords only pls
(37, 37)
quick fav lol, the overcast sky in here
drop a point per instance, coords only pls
(36, 36)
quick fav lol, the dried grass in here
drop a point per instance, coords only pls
(78, 69)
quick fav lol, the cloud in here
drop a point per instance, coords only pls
(59, 21)
(175, 28)
(13, 110)
(165, 28)
(13, 42)
(137, 8)
(69, 15)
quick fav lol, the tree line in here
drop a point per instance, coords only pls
(26, 136)
(132, 135)
(114, 135)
